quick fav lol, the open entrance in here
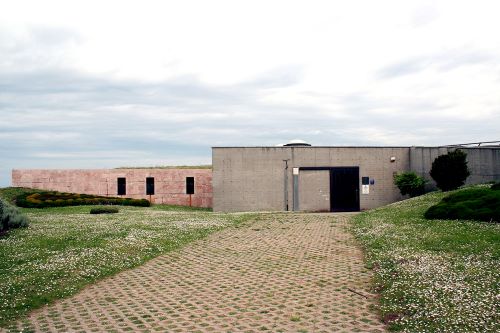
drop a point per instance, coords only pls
(334, 189)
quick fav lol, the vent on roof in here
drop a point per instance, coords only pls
(297, 143)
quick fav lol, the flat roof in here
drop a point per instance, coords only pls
(308, 147)
(180, 167)
(311, 147)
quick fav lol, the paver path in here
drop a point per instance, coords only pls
(282, 273)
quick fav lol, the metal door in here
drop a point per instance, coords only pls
(344, 189)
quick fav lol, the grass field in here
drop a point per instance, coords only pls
(432, 275)
(66, 248)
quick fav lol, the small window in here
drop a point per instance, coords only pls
(189, 185)
(365, 180)
(122, 186)
(150, 186)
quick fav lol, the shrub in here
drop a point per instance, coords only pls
(410, 183)
(11, 217)
(450, 171)
(44, 199)
(140, 202)
(495, 186)
(104, 210)
(482, 204)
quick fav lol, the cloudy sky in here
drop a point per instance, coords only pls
(95, 84)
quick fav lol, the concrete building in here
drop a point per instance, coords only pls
(187, 187)
(296, 177)
(303, 178)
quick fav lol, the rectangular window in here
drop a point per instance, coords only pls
(122, 186)
(365, 180)
(189, 185)
(150, 186)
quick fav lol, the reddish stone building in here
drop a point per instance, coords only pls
(162, 186)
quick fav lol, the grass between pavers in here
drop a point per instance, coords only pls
(432, 275)
(66, 248)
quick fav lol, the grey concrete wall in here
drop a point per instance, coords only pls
(483, 162)
(314, 191)
(252, 178)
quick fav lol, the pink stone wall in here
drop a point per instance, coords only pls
(170, 184)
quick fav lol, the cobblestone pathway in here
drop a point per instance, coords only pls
(283, 273)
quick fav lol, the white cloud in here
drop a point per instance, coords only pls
(171, 78)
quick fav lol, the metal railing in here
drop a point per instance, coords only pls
(477, 144)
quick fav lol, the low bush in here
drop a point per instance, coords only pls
(11, 217)
(104, 210)
(482, 204)
(495, 186)
(410, 183)
(44, 199)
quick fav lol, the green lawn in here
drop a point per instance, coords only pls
(10, 193)
(432, 275)
(66, 248)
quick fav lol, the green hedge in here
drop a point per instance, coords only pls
(482, 204)
(59, 199)
(104, 210)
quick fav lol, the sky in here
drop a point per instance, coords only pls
(101, 84)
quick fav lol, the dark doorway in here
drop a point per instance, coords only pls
(344, 189)
(122, 186)
(150, 186)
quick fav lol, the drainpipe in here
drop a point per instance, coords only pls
(286, 184)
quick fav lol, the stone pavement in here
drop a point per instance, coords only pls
(281, 273)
